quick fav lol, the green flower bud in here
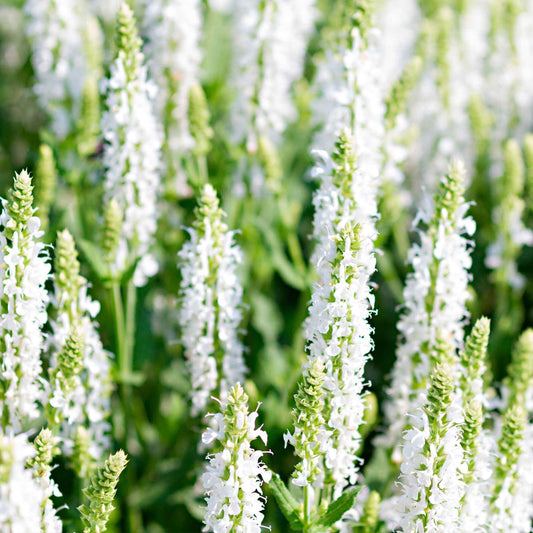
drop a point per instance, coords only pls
(345, 160)
(112, 230)
(308, 420)
(474, 354)
(481, 122)
(199, 119)
(509, 450)
(450, 193)
(45, 183)
(70, 359)
(528, 154)
(19, 206)
(101, 493)
(128, 41)
(209, 210)
(370, 519)
(520, 370)
(46, 448)
(440, 392)
(89, 128)
(83, 462)
(512, 182)
(396, 102)
(67, 270)
(271, 163)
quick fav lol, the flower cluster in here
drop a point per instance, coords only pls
(173, 54)
(435, 297)
(211, 305)
(24, 269)
(233, 476)
(270, 41)
(79, 365)
(132, 150)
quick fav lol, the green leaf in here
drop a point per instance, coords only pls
(336, 509)
(290, 275)
(287, 502)
(95, 258)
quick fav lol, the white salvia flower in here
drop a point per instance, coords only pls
(269, 44)
(350, 95)
(233, 477)
(55, 28)
(435, 297)
(24, 270)
(132, 149)
(86, 401)
(431, 477)
(22, 496)
(173, 32)
(211, 305)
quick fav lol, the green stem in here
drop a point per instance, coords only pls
(307, 510)
(120, 336)
(131, 302)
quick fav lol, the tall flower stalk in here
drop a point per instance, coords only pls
(173, 32)
(24, 270)
(211, 305)
(132, 150)
(81, 383)
(435, 297)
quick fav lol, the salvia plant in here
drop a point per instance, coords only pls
(265, 265)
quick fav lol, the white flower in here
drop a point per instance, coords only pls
(132, 149)
(233, 477)
(88, 403)
(269, 44)
(431, 477)
(24, 270)
(349, 90)
(22, 496)
(56, 31)
(211, 305)
(173, 32)
(435, 297)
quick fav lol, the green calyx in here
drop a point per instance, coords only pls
(440, 391)
(101, 492)
(520, 371)
(112, 230)
(128, 41)
(481, 122)
(308, 416)
(45, 183)
(199, 119)
(236, 408)
(82, 461)
(67, 270)
(513, 179)
(20, 203)
(396, 102)
(345, 161)
(210, 212)
(271, 163)
(474, 353)
(46, 449)
(450, 193)
(70, 359)
(370, 519)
